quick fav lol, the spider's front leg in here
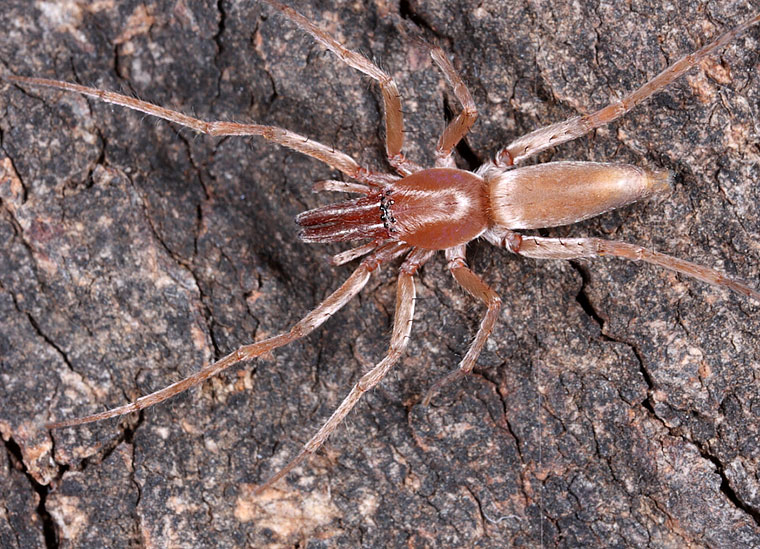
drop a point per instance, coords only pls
(219, 128)
(315, 318)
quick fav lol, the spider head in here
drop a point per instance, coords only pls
(432, 209)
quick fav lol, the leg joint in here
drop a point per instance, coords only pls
(504, 159)
(456, 263)
(512, 241)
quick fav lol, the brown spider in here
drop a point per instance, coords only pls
(419, 211)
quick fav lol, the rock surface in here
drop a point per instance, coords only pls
(615, 404)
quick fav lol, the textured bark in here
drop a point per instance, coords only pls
(615, 404)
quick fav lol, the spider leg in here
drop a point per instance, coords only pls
(394, 118)
(473, 284)
(458, 127)
(353, 253)
(573, 128)
(281, 136)
(572, 248)
(402, 326)
(334, 302)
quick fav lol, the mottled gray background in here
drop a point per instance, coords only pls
(615, 405)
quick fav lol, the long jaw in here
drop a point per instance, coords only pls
(363, 218)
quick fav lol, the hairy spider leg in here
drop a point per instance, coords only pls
(454, 131)
(536, 247)
(333, 303)
(474, 286)
(457, 128)
(578, 126)
(573, 248)
(402, 326)
(335, 159)
(341, 187)
(394, 118)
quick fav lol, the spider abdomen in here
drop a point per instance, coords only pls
(562, 193)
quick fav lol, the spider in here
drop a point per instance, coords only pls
(413, 213)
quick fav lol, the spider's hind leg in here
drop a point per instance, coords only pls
(571, 248)
(578, 126)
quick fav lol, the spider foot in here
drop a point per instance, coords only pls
(454, 375)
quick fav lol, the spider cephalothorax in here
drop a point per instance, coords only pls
(432, 209)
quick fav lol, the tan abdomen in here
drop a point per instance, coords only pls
(561, 193)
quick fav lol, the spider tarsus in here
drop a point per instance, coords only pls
(436, 387)
(271, 481)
